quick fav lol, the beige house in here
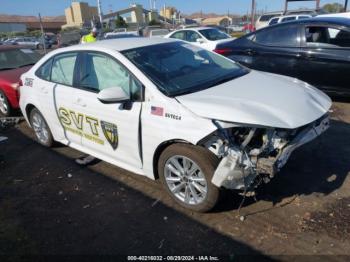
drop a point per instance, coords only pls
(80, 14)
(168, 12)
(219, 21)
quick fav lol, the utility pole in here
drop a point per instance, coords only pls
(42, 33)
(99, 11)
(317, 4)
(253, 13)
(346, 5)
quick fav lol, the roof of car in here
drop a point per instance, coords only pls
(196, 28)
(314, 20)
(330, 20)
(124, 43)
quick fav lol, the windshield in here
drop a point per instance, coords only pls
(213, 34)
(15, 58)
(180, 68)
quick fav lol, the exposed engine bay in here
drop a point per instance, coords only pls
(250, 155)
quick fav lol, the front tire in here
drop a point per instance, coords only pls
(5, 107)
(41, 128)
(186, 172)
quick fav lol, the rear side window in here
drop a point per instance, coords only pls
(63, 69)
(317, 36)
(44, 72)
(284, 36)
(179, 35)
(274, 21)
(265, 18)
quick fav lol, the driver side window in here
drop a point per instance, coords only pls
(192, 36)
(99, 71)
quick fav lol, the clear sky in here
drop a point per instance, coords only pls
(56, 7)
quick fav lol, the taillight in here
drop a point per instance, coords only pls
(15, 86)
(223, 51)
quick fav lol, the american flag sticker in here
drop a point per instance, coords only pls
(157, 111)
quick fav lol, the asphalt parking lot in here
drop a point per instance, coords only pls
(49, 205)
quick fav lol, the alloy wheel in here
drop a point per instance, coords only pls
(3, 104)
(185, 180)
(40, 128)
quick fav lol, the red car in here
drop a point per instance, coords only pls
(14, 61)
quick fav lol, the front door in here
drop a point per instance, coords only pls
(325, 57)
(109, 130)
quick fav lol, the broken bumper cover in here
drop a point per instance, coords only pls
(232, 173)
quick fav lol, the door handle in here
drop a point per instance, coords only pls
(80, 102)
(306, 56)
(250, 52)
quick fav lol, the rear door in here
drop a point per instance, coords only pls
(58, 97)
(275, 49)
(325, 57)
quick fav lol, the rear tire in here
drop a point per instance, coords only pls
(186, 172)
(5, 106)
(41, 128)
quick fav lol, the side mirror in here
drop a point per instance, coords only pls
(113, 95)
(200, 40)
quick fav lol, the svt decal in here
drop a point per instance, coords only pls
(74, 122)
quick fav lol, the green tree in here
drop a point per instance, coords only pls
(120, 22)
(333, 8)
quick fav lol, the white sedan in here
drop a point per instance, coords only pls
(205, 37)
(166, 109)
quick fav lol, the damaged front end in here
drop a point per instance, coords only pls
(249, 155)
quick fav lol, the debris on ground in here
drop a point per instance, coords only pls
(6, 122)
(334, 220)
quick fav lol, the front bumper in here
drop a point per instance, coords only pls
(234, 171)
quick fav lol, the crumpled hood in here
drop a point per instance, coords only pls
(259, 98)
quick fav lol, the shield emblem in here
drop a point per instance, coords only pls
(111, 133)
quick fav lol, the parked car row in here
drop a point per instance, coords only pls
(29, 42)
(206, 37)
(287, 18)
(265, 19)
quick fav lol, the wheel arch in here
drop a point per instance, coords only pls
(160, 149)
(29, 109)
